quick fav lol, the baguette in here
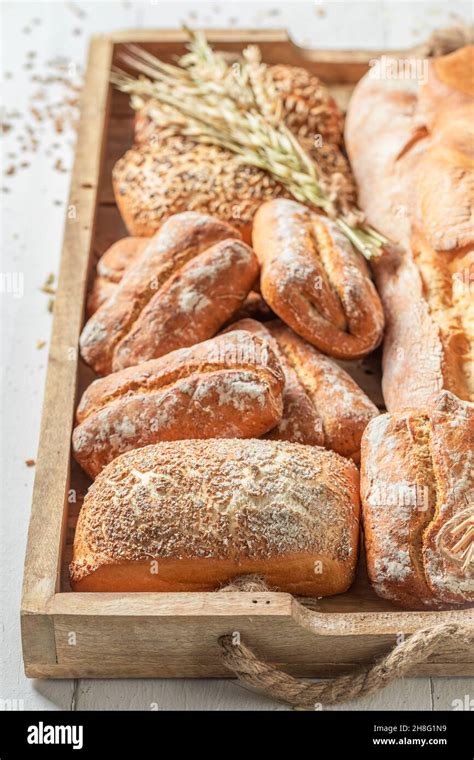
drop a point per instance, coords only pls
(417, 489)
(411, 149)
(315, 281)
(322, 404)
(227, 387)
(192, 515)
(189, 280)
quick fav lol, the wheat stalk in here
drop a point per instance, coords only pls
(235, 107)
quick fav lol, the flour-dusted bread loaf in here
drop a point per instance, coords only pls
(411, 147)
(192, 515)
(124, 254)
(322, 404)
(166, 174)
(417, 488)
(227, 387)
(111, 267)
(191, 277)
(315, 281)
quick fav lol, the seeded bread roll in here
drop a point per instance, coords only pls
(163, 175)
(192, 515)
(174, 174)
(315, 281)
(192, 276)
(226, 387)
(111, 267)
(322, 404)
(417, 488)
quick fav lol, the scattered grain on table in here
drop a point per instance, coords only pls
(52, 110)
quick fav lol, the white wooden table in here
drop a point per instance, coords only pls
(34, 33)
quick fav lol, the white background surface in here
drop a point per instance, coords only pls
(32, 225)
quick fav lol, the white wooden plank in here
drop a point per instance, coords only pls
(163, 694)
(453, 693)
(191, 694)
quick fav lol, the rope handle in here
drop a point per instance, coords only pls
(299, 692)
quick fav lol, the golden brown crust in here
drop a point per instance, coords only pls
(343, 407)
(164, 175)
(254, 308)
(300, 421)
(183, 238)
(192, 305)
(191, 515)
(111, 267)
(174, 174)
(227, 387)
(322, 404)
(315, 281)
(411, 150)
(417, 490)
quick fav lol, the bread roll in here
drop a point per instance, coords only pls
(111, 268)
(315, 281)
(411, 149)
(182, 289)
(192, 515)
(227, 387)
(165, 174)
(417, 488)
(123, 254)
(322, 404)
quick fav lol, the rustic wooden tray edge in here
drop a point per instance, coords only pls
(90, 635)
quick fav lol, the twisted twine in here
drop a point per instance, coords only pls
(301, 693)
(298, 692)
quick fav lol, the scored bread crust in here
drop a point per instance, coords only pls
(322, 404)
(315, 281)
(411, 149)
(191, 515)
(230, 387)
(417, 491)
(123, 254)
(192, 304)
(111, 267)
(181, 239)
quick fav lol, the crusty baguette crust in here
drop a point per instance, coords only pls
(111, 267)
(181, 239)
(412, 154)
(315, 281)
(228, 387)
(191, 515)
(417, 490)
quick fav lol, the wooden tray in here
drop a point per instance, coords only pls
(72, 635)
